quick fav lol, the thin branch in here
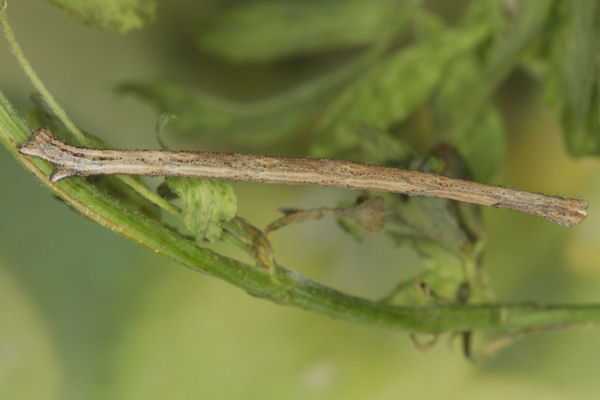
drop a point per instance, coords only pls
(71, 160)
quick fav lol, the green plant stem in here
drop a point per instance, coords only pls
(37, 82)
(150, 195)
(284, 286)
(64, 118)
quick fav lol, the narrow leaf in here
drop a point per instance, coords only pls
(115, 15)
(265, 30)
(529, 20)
(206, 203)
(253, 122)
(574, 86)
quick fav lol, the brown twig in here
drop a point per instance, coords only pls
(71, 160)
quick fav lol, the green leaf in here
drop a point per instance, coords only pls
(381, 148)
(258, 31)
(511, 44)
(574, 81)
(483, 143)
(433, 228)
(116, 15)
(440, 284)
(527, 25)
(206, 203)
(425, 220)
(389, 92)
(453, 225)
(427, 25)
(253, 122)
(481, 140)
(448, 235)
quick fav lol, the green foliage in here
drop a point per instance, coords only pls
(206, 203)
(116, 15)
(528, 21)
(481, 140)
(450, 72)
(273, 118)
(390, 91)
(281, 286)
(266, 30)
(574, 77)
(254, 122)
(417, 95)
(448, 235)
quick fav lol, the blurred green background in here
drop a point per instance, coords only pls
(86, 314)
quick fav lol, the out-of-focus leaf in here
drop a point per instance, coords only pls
(440, 284)
(390, 91)
(427, 25)
(41, 117)
(271, 29)
(379, 147)
(447, 235)
(529, 21)
(254, 122)
(481, 141)
(435, 220)
(574, 79)
(206, 203)
(416, 220)
(116, 15)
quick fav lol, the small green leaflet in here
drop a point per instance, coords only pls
(206, 203)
